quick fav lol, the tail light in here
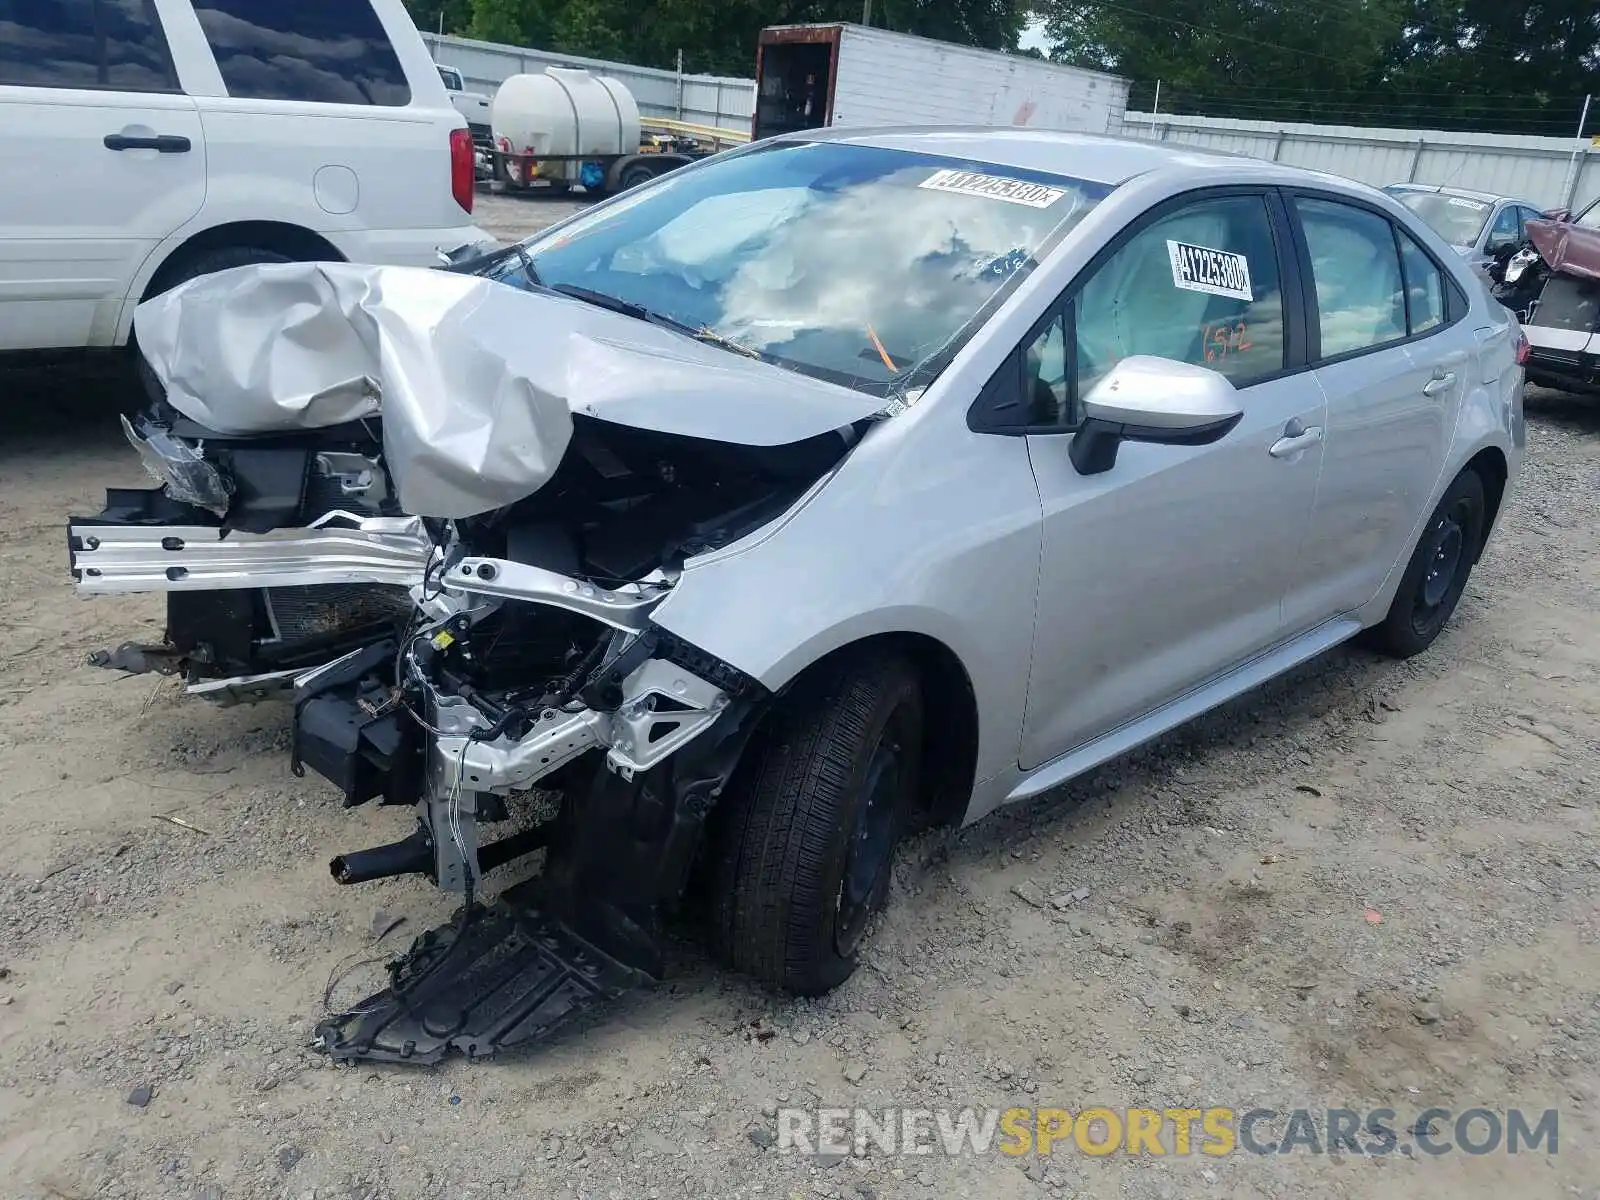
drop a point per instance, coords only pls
(463, 169)
(1521, 347)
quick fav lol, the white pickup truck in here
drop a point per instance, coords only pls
(474, 106)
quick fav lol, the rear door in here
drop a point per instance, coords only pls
(321, 125)
(101, 155)
(1393, 356)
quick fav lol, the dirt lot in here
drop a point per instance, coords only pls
(1368, 885)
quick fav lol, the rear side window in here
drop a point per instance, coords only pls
(1361, 300)
(103, 45)
(326, 51)
(1424, 287)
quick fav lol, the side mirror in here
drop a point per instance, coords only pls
(1146, 399)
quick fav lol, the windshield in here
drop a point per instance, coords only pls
(858, 264)
(1457, 219)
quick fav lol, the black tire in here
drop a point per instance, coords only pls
(1437, 573)
(834, 770)
(188, 267)
(634, 175)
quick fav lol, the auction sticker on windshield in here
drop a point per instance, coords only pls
(993, 187)
(1216, 272)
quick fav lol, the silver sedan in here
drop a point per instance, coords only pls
(843, 482)
(1480, 226)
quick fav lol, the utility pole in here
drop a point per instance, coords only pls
(1574, 170)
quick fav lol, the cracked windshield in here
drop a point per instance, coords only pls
(860, 265)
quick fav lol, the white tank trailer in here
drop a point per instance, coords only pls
(565, 127)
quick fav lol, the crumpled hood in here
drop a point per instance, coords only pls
(1567, 248)
(476, 381)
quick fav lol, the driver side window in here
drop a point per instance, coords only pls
(1507, 229)
(1200, 285)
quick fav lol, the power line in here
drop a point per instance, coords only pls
(1356, 100)
(1216, 33)
(1439, 31)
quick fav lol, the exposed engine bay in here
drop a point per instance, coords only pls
(519, 661)
(439, 512)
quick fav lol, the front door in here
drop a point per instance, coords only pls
(102, 157)
(1171, 567)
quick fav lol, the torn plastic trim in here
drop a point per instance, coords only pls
(180, 468)
(626, 608)
(111, 559)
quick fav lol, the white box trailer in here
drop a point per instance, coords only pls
(810, 76)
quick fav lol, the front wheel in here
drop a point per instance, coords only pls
(803, 849)
(1437, 573)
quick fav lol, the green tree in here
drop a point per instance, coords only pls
(456, 14)
(717, 36)
(1451, 64)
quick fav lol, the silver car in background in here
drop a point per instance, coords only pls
(1478, 225)
(847, 482)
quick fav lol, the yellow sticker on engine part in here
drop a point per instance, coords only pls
(443, 640)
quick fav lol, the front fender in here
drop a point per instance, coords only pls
(925, 529)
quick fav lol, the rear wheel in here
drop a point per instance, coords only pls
(1437, 573)
(633, 175)
(803, 849)
(192, 266)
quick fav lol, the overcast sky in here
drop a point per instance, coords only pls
(1033, 35)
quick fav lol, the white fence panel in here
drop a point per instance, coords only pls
(1550, 171)
(699, 99)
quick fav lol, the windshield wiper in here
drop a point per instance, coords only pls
(529, 271)
(640, 313)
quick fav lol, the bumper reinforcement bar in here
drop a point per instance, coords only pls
(338, 547)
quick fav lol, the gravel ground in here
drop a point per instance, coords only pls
(1368, 884)
(509, 217)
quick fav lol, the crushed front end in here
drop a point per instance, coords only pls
(276, 552)
(530, 673)
(545, 470)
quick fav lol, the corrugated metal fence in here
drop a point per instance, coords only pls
(1547, 170)
(699, 99)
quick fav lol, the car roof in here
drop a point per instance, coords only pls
(1097, 158)
(1464, 193)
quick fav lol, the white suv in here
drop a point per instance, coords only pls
(144, 142)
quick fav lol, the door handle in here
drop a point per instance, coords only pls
(1292, 443)
(165, 143)
(1442, 381)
